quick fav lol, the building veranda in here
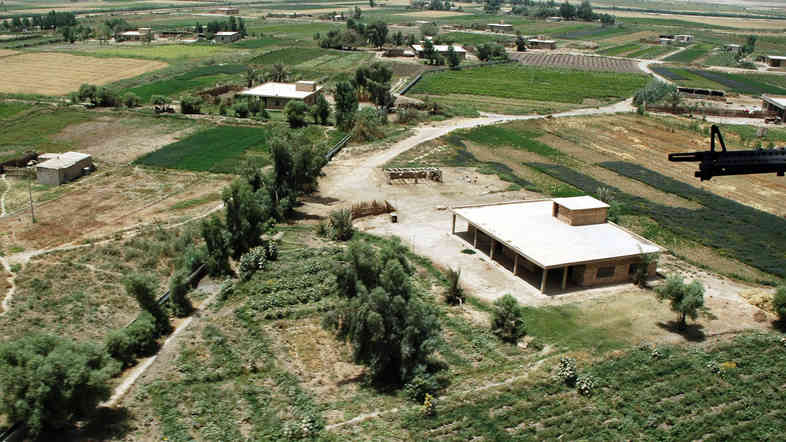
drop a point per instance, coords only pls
(558, 242)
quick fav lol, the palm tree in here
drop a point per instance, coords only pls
(279, 73)
(252, 75)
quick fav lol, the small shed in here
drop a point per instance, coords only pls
(684, 38)
(775, 61)
(227, 11)
(734, 48)
(536, 43)
(500, 27)
(774, 105)
(56, 169)
(441, 50)
(227, 37)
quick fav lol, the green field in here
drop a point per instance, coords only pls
(218, 149)
(468, 38)
(686, 394)
(751, 84)
(621, 49)
(35, 129)
(651, 52)
(258, 43)
(532, 83)
(291, 56)
(690, 54)
(10, 108)
(195, 79)
(162, 52)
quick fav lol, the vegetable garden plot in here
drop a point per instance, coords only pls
(579, 62)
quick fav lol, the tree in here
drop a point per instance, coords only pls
(245, 217)
(398, 38)
(252, 76)
(507, 321)
(321, 110)
(377, 33)
(346, 105)
(779, 303)
(674, 98)
(453, 58)
(217, 243)
(278, 73)
(296, 113)
(750, 45)
(131, 100)
(142, 289)
(429, 53)
(371, 3)
(492, 6)
(584, 11)
(49, 382)
(68, 34)
(390, 329)
(687, 300)
(567, 11)
(357, 13)
(340, 225)
(178, 295)
(191, 104)
(521, 43)
(161, 103)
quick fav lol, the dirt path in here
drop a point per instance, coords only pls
(669, 54)
(12, 289)
(6, 188)
(644, 65)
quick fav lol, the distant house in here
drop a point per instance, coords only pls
(227, 37)
(774, 105)
(138, 35)
(339, 18)
(665, 40)
(684, 38)
(227, 11)
(277, 95)
(536, 43)
(732, 48)
(441, 50)
(398, 52)
(500, 27)
(553, 19)
(56, 169)
(775, 60)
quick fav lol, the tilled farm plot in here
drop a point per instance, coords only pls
(580, 62)
(34, 73)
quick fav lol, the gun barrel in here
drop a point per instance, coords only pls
(687, 156)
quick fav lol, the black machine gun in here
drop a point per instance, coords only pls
(733, 162)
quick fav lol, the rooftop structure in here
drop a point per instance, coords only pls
(56, 169)
(440, 49)
(775, 60)
(276, 95)
(227, 36)
(776, 105)
(570, 234)
(538, 43)
(500, 27)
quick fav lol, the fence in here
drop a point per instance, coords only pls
(337, 148)
(732, 113)
(417, 78)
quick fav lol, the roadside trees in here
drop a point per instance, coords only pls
(346, 105)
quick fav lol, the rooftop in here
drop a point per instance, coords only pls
(537, 40)
(62, 160)
(776, 57)
(501, 24)
(777, 101)
(226, 33)
(439, 48)
(283, 90)
(581, 203)
(529, 228)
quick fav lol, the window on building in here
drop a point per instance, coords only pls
(605, 272)
(633, 269)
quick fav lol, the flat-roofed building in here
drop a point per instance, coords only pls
(536, 43)
(56, 169)
(568, 238)
(441, 50)
(500, 27)
(775, 60)
(276, 95)
(774, 105)
(227, 36)
(684, 38)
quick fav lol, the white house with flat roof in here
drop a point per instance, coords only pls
(441, 50)
(58, 168)
(227, 36)
(567, 237)
(277, 95)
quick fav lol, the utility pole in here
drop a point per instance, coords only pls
(30, 191)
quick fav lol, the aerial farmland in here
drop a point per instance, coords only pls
(402, 220)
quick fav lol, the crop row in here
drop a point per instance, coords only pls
(580, 62)
(749, 235)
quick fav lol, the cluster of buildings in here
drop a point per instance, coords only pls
(147, 34)
(675, 39)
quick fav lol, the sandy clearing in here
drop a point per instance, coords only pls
(32, 73)
(7, 52)
(434, 14)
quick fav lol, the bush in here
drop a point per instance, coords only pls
(241, 110)
(134, 341)
(779, 303)
(87, 92)
(251, 262)
(178, 294)
(142, 289)
(455, 294)
(585, 385)
(296, 113)
(408, 115)
(191, 104)
(254, 106)
(49, 382)
(131, 100)
(507, 321)
(368, 125)
(424, 384)
(340, 225)
(566, 371)
(107, 98)
(653, 92)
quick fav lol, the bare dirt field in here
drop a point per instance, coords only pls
(110, 200)
(33, 73)
(433, 14)
(6, 52)
(116, 139)
(580, 62)
(636, 36)
(742, 23)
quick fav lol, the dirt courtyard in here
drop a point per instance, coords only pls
(32, 73)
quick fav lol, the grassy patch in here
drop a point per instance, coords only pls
(593, 33)
(192, 80)
(161, 52)
(469, 38)
(216, 150)
(11, 108)
(751, 84)
(37, 130)
(257, 43)
(621, 49)
(721, 223)
(195, 202)
(494, 136)
(635, 393)
(290, 56)
(532, 83)
(650, 52)
(690, 54)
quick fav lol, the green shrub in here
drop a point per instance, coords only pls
(241, 110)
(340, 225)
(566, 371)
(585, 384)
(191, 104)
(368, 125)
(779, 303)
(422, 384)
(178, 294)
(136, 340)
(654, 92)
(251, 262)
(507, 321)
(455, 294)
(296, 113)
(131, 100)
(687, 300)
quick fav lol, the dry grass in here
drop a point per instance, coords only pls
(434, 14)
(742, 23)
(636, 36)
(6, 52)
(33, 74)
